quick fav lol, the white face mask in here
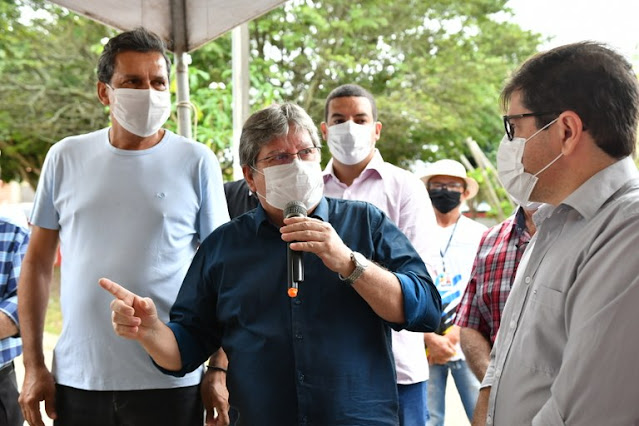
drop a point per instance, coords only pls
(350, 143)
(297, 181)
(141, 111)
(518, 183)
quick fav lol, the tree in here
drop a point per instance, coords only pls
(47, 82)
(435, 68)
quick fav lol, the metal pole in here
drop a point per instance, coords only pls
(240, 52)
(180, 47)
(183, 94)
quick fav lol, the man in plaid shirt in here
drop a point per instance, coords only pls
(479, 312)
(13, 245)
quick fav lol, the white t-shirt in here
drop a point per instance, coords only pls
(458, 248)
(136, 217)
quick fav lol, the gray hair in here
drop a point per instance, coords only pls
(271, 123)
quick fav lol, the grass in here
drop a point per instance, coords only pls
(53, 320)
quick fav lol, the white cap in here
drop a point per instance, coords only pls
(451, 168)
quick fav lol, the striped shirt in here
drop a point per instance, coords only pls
(13, 246)
(499, 252)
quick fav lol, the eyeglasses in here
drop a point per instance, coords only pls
(455, 186)
(510, 129)
(306, 154)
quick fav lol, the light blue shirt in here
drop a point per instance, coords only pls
(137, 217)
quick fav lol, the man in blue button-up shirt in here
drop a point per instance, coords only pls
(323, 357)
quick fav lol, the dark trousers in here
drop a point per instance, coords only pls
(152, 407)
(10, 413)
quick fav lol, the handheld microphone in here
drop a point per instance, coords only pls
(294, 259)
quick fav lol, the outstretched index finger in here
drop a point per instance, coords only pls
(117, 290)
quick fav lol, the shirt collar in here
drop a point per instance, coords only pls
(262, 220)
(321, 211)
(376, 165)
(520, 221)
(592, 194)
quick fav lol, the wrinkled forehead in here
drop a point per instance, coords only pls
(293, 141)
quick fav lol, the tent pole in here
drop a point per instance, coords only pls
(180, 48)
(240, 51)
(183, 95)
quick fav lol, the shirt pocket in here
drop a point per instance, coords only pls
(542, 336)
(547, 299)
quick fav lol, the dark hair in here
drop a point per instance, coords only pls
(348, 90)
(138, 40)
(590, 79)
(270, 123)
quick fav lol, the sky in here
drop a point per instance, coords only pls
(613, 22)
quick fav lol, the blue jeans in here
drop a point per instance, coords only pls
(465, 381)
(413, 407)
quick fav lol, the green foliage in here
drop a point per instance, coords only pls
(435, 68)
(47, 82)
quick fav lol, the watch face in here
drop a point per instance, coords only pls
(359, 259)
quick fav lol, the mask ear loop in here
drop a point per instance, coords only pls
(543, 128)
(556, 158)
(262, 173)
(549, 164)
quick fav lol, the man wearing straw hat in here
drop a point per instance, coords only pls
(448, 187)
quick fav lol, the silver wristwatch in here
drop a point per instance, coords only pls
(361, 263)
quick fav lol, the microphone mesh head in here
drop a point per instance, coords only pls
(295, 209)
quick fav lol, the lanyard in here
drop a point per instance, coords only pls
(443, 253)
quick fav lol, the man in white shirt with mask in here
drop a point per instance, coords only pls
(131, 201)
(358, 172)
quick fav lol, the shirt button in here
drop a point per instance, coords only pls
(498, 373)
(513, 324)
(301, 378)
(527, 280)
(489, 420)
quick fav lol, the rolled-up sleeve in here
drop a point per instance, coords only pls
(394, 251)
(18, 241)
(422, 303)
